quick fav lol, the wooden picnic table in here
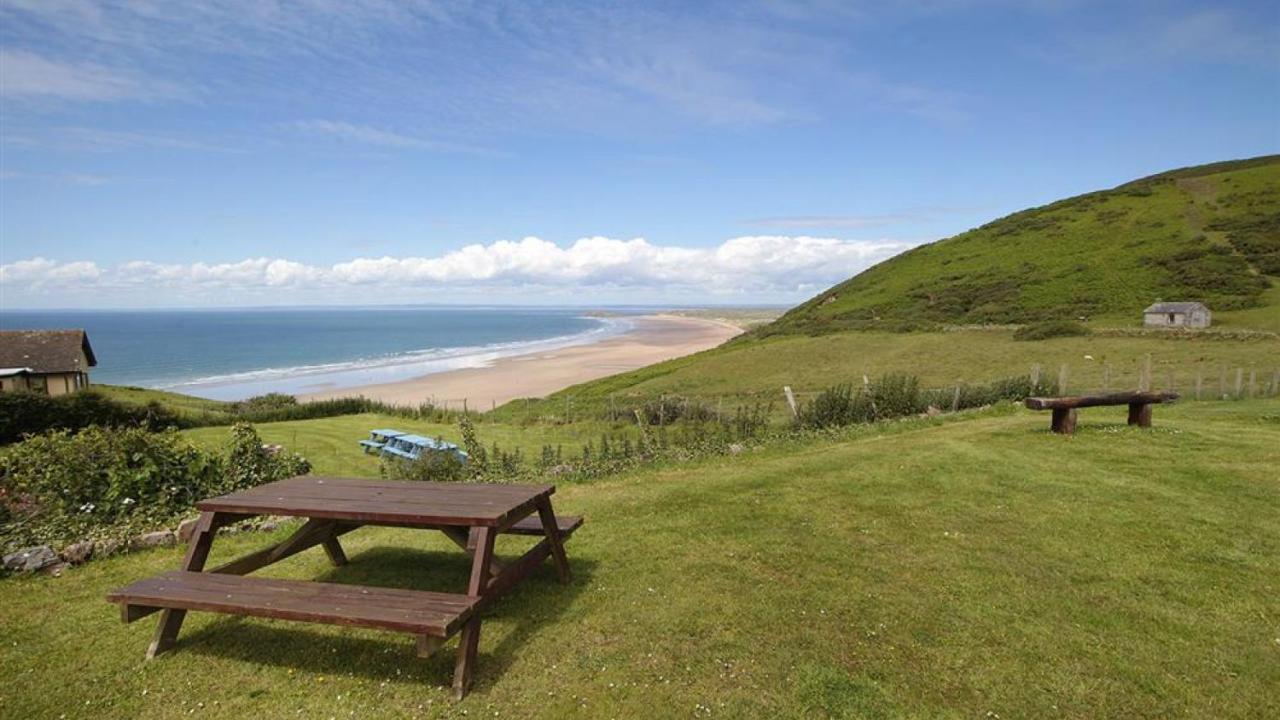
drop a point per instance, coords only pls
(471, 515)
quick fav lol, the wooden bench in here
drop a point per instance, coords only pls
(533, 525)
(431, 616)
(1064, 408)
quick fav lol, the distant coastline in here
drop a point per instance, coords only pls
(650, 339)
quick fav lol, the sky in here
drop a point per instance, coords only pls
(260, 152)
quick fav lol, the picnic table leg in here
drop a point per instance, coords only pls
(197, 553)
(1140, 414)
(469, 644)
(552, 530)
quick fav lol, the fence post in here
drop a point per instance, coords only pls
(791, 399)
(1222, 382)
(1035, 377)
(1239, 382)
(1275, 382)
(1144, 382)
(1169, 384)
(1253, 382)
(955, 401)
(1062, 380)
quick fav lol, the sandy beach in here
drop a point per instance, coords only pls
(653, 339)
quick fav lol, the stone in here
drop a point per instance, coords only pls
(268, 526)
(155, 539)
(736, 449)
(31, 559)
(77, 553)
(107, 548)
(186, 529)
(932, 411)
(54, 570)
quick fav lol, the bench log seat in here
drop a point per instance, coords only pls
(1064, 408)
(418, 612)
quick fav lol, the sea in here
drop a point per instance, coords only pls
(232, 354)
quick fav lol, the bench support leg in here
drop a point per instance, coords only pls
(333, 549)
(469, 644)
(197, 553)
(552, 531)
(1140, 414)
(1064, 421)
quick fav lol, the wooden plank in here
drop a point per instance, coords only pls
(171, 619)
(533, 525)
(552, 532)
(385, 502)
(413, 611)
(313, 533)
(1079, 401)
(469, 644)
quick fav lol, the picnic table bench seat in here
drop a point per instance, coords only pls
(533, 525)
(411, 611)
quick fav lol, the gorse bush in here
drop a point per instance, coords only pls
(1051, 329)
(59, 487)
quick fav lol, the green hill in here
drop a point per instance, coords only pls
(1208, 233)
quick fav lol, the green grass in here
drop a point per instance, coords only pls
(182, 404)
(969, 567)
(759, 369)
(1210, 234)
(331, 444)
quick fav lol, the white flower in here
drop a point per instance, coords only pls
(87, 507)
(128, 501)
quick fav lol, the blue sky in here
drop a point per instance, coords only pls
(330, 151)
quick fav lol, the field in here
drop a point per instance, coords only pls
(973, 566)
(331, 443)
(758, 369)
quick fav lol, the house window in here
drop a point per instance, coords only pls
(39, 385)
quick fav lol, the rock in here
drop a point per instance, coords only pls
(77, 553)
(31, 559)
(155, 539)
(106, 548)
(55, 570)
(186, 528)
(268, 526)
(736, 449)
(932, 411)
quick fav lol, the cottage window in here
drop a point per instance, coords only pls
(1171, 318)
(38, 384)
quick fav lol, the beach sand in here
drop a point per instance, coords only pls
(654, 338)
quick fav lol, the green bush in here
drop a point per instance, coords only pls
(1051, 329)
(26, 413)
(111, 483)
(895, 396)
(431, 465)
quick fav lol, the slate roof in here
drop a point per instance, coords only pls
(45, 351)
(1175, 307)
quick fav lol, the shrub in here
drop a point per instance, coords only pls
(437, 466)
(26, 413)
(1051, 329)
(835, 407)
(59, 487)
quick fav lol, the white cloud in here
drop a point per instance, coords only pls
(25, 74)
(745, 266)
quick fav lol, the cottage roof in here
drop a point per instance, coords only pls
(1175, 307)
(46, 351)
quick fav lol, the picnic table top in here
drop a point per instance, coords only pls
(384, 501)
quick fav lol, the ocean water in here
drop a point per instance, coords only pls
(234, 354)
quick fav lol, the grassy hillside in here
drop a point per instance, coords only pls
(745, 371)
(973, 567)
(1209, 233)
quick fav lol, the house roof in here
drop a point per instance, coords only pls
(10, 372)
(1175, 307)
(46, 351)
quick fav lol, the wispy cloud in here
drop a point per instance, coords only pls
(741, 265)
(26, 74)
(367, 135)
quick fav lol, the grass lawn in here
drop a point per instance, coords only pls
(331, 444)
(968, 567)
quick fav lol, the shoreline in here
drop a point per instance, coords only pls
(651, 339)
